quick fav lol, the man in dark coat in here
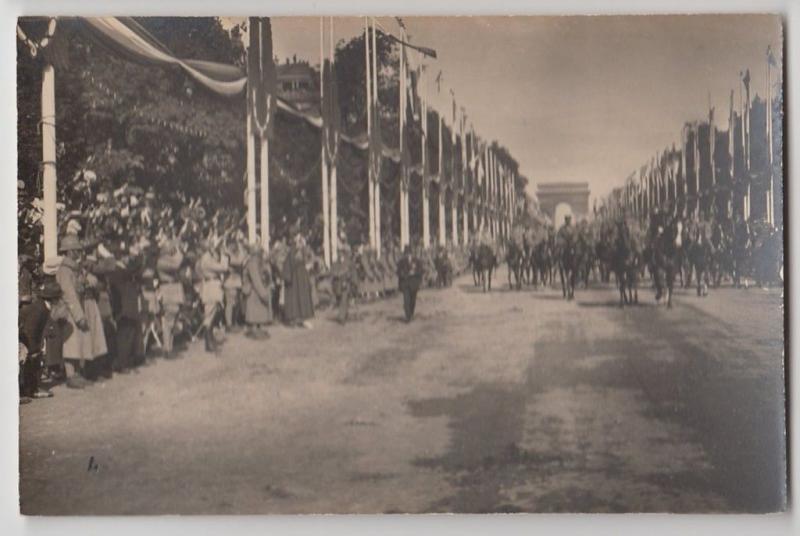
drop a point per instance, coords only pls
(298, 304)
(125, 283)
(34, 323)
(409, 275)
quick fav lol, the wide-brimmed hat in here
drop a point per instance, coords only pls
(50, 290)
(70, 242)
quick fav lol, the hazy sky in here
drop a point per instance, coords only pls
(586, 98)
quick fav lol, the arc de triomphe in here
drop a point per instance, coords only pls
(574, 194)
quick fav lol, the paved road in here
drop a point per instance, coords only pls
(501, 402)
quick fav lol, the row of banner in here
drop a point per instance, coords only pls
(717, 172)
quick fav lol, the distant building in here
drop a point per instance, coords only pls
(298, 83)
(559, 198)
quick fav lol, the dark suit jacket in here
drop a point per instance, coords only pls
(33, 319)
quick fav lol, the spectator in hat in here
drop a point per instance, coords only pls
(298, 303)
(84, 339)
(256, 288)
(211, 269)
(232, 286)
(35, 323)
(170, 288)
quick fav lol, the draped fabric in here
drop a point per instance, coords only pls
(125, 37)
(128, 38)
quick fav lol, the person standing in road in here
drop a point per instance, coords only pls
(409, 276)
(257, 291)
(298, 303)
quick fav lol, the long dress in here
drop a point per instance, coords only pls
(256, 288)
(298, 304)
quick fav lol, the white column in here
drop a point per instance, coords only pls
(370, 179)
(50, 219)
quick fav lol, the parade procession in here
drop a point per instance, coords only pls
(300, 265)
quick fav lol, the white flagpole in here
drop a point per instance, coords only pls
(265, 191)
(770, 192)
(50, 219)
(252, 236)
(334, 207)
(442, 191)
(426, 209)
(326, 232)
(370, 178)
(377, 118)
(403, 170)
(464, 174)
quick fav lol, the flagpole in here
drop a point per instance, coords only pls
(465, 218)
(370, 178)
(423, 118)
(334, 206)
(442, 192)
(770, 193)
(265, 238)
(377, 120)
(50, 219)
(326, 236)
(252, 237)
(454, 204)
(403, 170)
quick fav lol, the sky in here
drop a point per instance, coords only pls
(581, 98)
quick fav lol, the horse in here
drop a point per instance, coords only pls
(699, 254)
(486, 262)
(625, 256)
(666, 242)
(514, 260)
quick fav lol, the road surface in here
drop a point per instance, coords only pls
(498, 402)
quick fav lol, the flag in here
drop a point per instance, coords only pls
(331, 115)
(261, 77)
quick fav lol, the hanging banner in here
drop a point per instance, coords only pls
(261, 77)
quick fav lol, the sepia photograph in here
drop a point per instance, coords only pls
(401, 265)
